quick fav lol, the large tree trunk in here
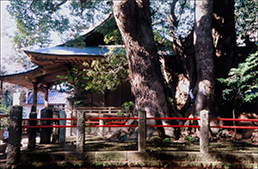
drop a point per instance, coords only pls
(134, 22)
(224, 36)
(203, 47)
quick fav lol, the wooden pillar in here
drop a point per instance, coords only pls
(46, 99)
(14, 140)
(35, 95)
(204, 131)
(142, 128)
(80, 140)
(1, 89)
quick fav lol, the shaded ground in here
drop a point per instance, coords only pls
(157, 148)
(94, 143)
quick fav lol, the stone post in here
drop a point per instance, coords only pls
(101, 122)
(142, 128)
(204, 131)
(32, 131)
(45, 133)
(14, 140)
(68, 123)
(80, 140)
(62, 130)
(55, 131)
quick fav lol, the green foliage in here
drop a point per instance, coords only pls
(35, 21)
(246, 17)
(127, 106)
(77, 43)
(162, 43)
(107, 74)
(242, 83)
(114, 37)
(111, 33)
(75, 83)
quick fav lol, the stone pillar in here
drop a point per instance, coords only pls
(80, 140)
(142, 128)
(14, 140)
(55, 131)
(68, 123)
(32, 131)
(62, 130)
(204, 131)
(45, 133)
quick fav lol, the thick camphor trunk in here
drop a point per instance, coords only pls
(134, 22)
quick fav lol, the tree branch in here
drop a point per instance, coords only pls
(172, 16)
(31, 6)
(53, 8)
(181, 11)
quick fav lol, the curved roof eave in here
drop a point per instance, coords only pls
(21, 73)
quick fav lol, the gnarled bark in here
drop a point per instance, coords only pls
(134, 22)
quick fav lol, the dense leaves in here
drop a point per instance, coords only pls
(75, 82)
(242, 83)
(107, 74)
(246, 14)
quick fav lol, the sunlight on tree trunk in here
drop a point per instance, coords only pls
(203, 46)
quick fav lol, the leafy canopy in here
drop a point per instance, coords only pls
(242, 83)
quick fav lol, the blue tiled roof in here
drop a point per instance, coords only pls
(90, 50)
(23, 71)
(54, 98)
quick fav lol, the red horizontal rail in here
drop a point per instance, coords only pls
(235, 127)
(228, 119)
(171, 118)
(112, 125)
(192, 126)
(113, 118)
(151, 118)
(92, 122)
(116, 122)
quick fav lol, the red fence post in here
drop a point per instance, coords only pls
(142, 128)
(204, 131)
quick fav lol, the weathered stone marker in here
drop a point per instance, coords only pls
(62, 130)
(80, 139)
(14, 140)
(68, 123)
(204, 131)
(45, 133)
(55, 131)
(32, 131)
(142, 128)
(101, 122)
